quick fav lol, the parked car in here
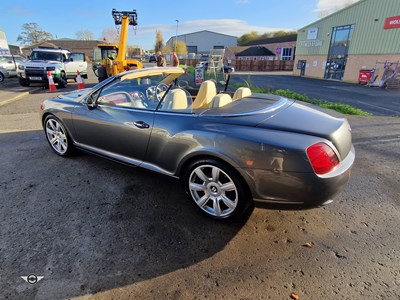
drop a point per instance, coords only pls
(152, 58)
(61, 63)
(9, 65)
(228, 150)
(204, 64)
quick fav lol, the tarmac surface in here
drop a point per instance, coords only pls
(378, 101)
(95, 229)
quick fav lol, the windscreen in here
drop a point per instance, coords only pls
(44, 55)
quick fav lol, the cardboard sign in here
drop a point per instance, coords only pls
(199, 76)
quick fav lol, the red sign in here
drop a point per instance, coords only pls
(392, 22)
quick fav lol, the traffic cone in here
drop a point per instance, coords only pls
(52, 86)
(79, 80)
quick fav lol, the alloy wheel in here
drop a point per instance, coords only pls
(56, 136)
(213, 191)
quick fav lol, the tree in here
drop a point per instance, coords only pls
(85, 35)
(180, 47)
(166, 49)
(253, 36)
(159, 41)
(282, 33)
(110, 35)
(248, 37)
(33, 34)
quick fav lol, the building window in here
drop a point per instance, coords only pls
(262, 58)
(240, 58)
(286, 54)
(254, 58)
(218, 47)
(247, 58)
(338, 52)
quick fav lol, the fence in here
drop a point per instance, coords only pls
(252, 65)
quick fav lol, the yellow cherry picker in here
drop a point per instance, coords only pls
(112, 58)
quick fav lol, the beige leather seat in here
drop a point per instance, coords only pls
(206, 93)
(221, 100)
(241, 93)
(175, 100)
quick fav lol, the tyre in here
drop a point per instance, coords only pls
(2, 77)
(23, 82)
(216, 189)
(62, 83)
(57, 136)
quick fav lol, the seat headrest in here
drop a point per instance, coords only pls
(221, 100)
(206, 92)
(241, 93)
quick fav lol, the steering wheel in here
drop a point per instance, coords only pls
(139, 100)
(160, 90)
(151, 92)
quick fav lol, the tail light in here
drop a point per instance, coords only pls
(322, 158)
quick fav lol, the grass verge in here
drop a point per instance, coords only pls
(190, 69)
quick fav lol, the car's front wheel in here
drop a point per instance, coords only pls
(2, 77)
(57, 136)
(216, 189)
(24, 82)
(62, 83)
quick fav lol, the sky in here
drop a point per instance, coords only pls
(64, 19)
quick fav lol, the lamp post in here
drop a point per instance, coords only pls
(176, 33)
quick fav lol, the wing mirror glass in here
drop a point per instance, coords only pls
(90, 102)
(183, 84)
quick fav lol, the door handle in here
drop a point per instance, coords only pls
(141, 124)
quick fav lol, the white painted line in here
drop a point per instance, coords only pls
(19, 96)
(380, 107)
(378, 141)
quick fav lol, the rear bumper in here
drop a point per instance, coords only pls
(305, 189)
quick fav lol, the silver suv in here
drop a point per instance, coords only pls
(61, 64)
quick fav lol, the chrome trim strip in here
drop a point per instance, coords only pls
(126, 160)
(154, 168)
(110, 154)
(276, 201)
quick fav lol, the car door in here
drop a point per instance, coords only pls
(77, 62)
(114, 127)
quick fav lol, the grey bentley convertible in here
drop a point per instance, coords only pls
(229, 150)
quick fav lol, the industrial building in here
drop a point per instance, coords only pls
(363, 36)
(203, 41)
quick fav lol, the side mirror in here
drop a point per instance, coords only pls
(90, 102)
(183, 84)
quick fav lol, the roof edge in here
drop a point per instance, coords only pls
(332, 14)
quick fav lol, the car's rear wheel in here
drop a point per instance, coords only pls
(216, 189)
(57, 136)
(2, 77)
